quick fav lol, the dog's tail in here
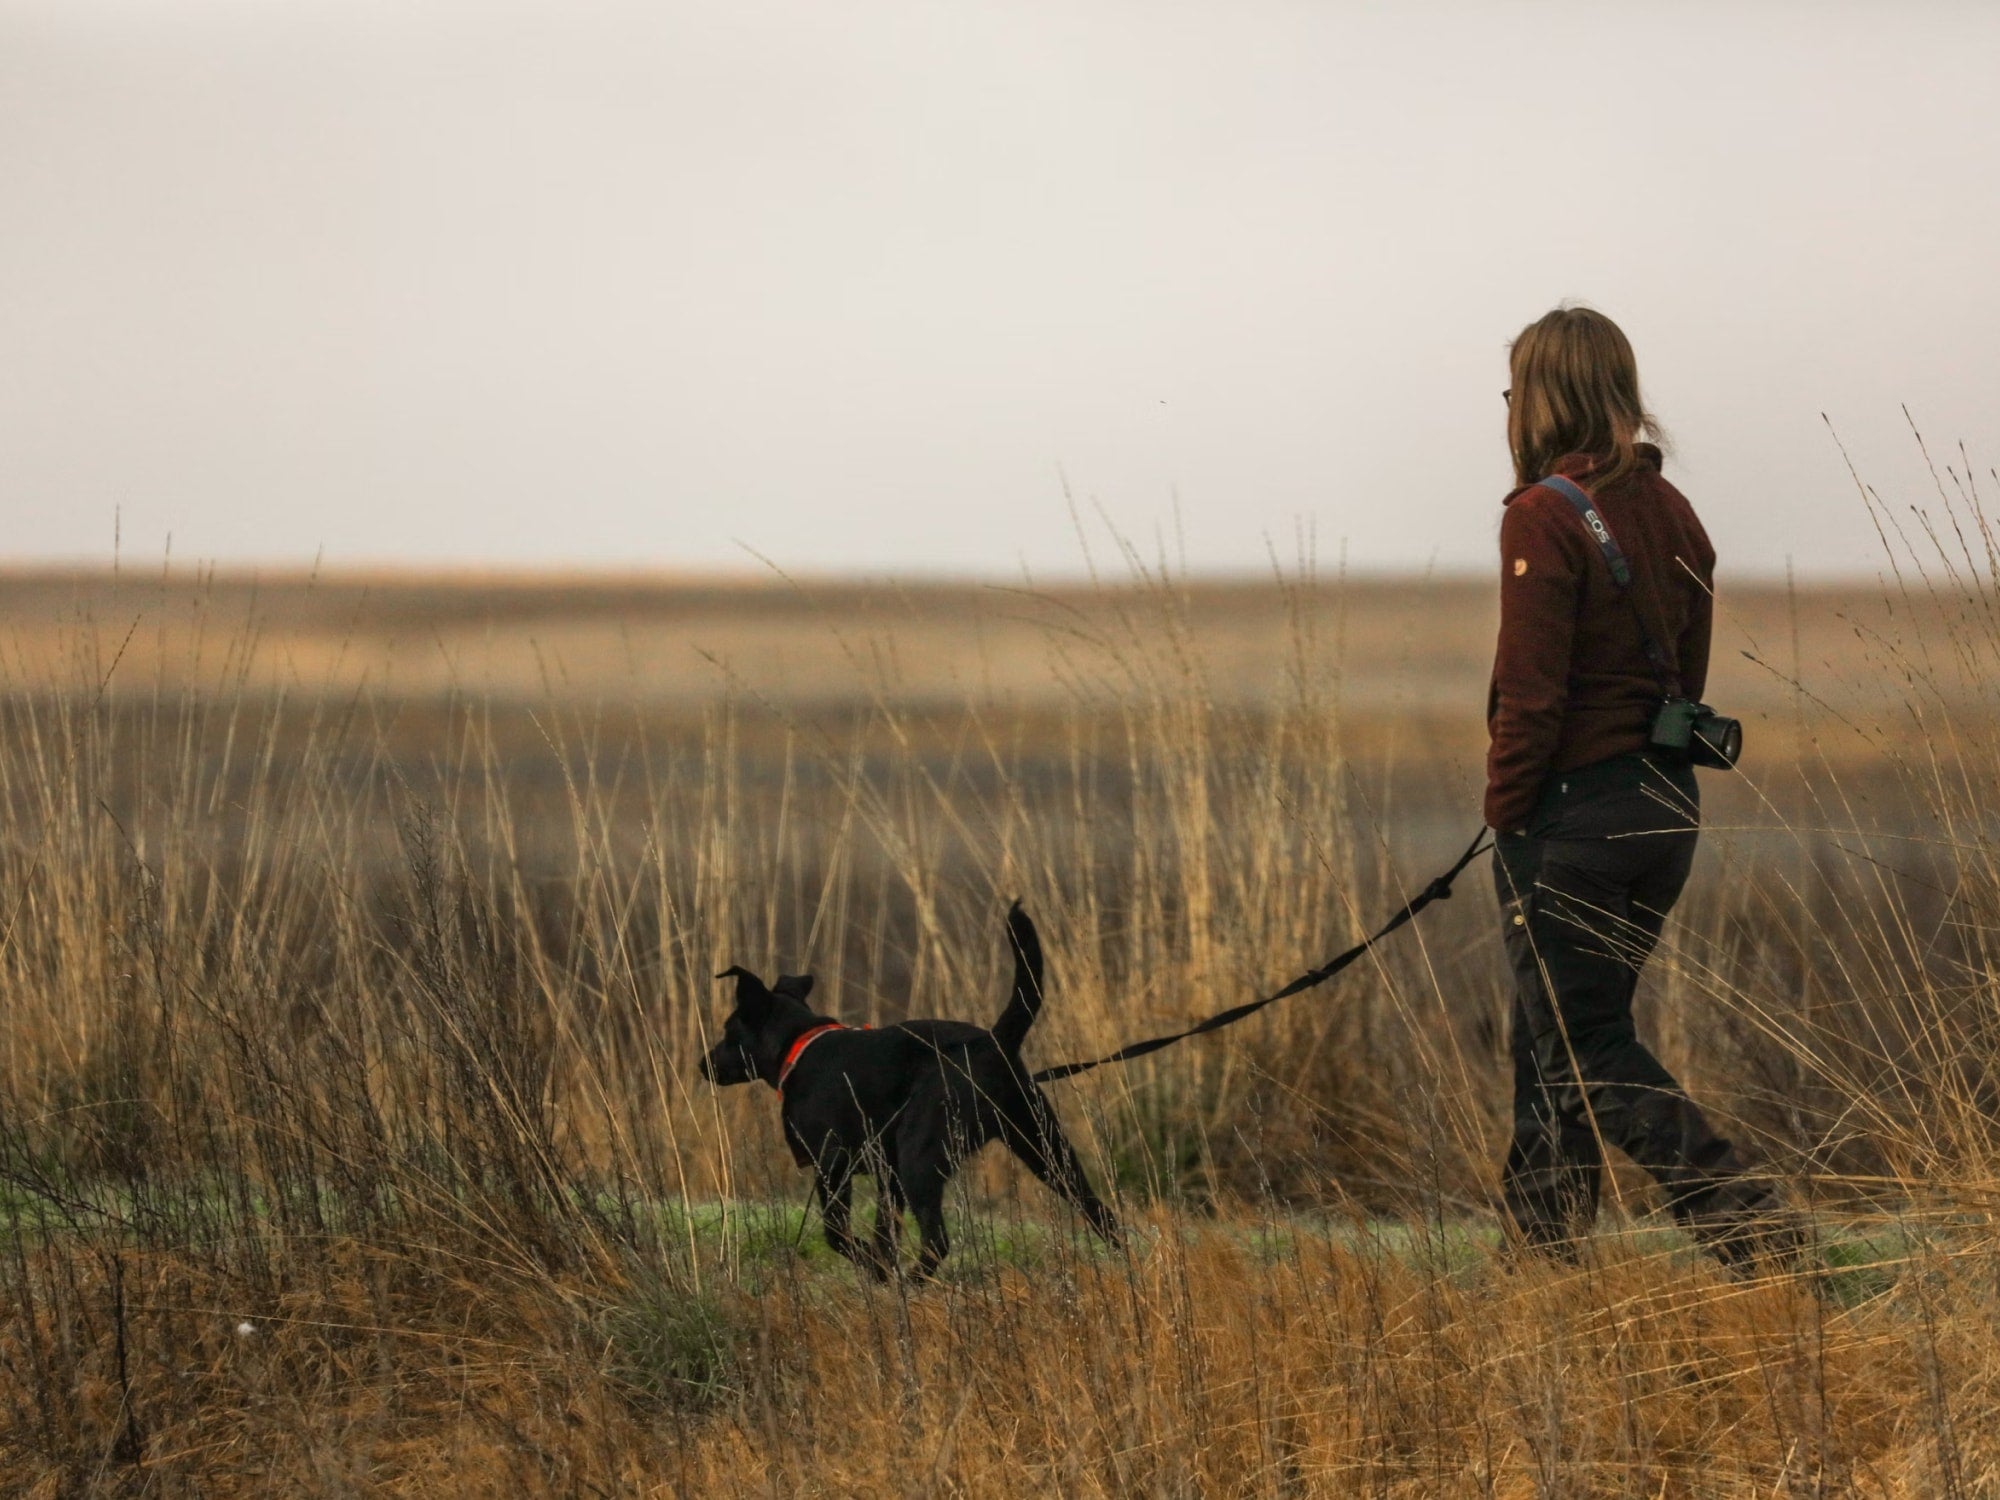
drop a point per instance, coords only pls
(1026, 1002)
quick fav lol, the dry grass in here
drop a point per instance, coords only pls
(355, 956)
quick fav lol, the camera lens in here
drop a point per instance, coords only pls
(1724, 737)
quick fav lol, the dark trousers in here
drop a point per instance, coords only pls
(1584, 893)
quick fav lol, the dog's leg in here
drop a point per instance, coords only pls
(1033, 1133)
(835, 1183)
(879, 1161)
(923, 1167)
(889, 1205)
(927, 1202)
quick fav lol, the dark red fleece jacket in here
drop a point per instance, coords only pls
(1571, 682)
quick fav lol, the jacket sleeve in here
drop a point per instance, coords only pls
(1692, 657)
(1540, 576)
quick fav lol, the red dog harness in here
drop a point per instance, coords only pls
(806, 1039)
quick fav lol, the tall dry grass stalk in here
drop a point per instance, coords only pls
(351, 1141)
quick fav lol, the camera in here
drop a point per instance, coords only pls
(1698, 732)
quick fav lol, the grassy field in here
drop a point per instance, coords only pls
(357, 944)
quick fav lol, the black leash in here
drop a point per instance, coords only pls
(1437, 890)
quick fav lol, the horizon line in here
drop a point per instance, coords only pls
(569, 575)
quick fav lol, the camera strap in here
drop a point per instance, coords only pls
(1621, 575)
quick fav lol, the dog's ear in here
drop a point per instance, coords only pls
(794, 986)
(752, 998)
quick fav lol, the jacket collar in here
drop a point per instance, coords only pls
(1580, 466)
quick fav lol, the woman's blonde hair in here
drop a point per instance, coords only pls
(1575, 390)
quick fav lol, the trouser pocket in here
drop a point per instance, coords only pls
(1516, 866)
(1630, 794)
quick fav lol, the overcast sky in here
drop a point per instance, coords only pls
(866, 285)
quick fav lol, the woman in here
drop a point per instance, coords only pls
(1594, 830)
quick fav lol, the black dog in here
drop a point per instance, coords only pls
(906, 1103)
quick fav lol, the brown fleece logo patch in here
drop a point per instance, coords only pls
(1520, 566)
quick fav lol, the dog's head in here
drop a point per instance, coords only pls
(764, 1021)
